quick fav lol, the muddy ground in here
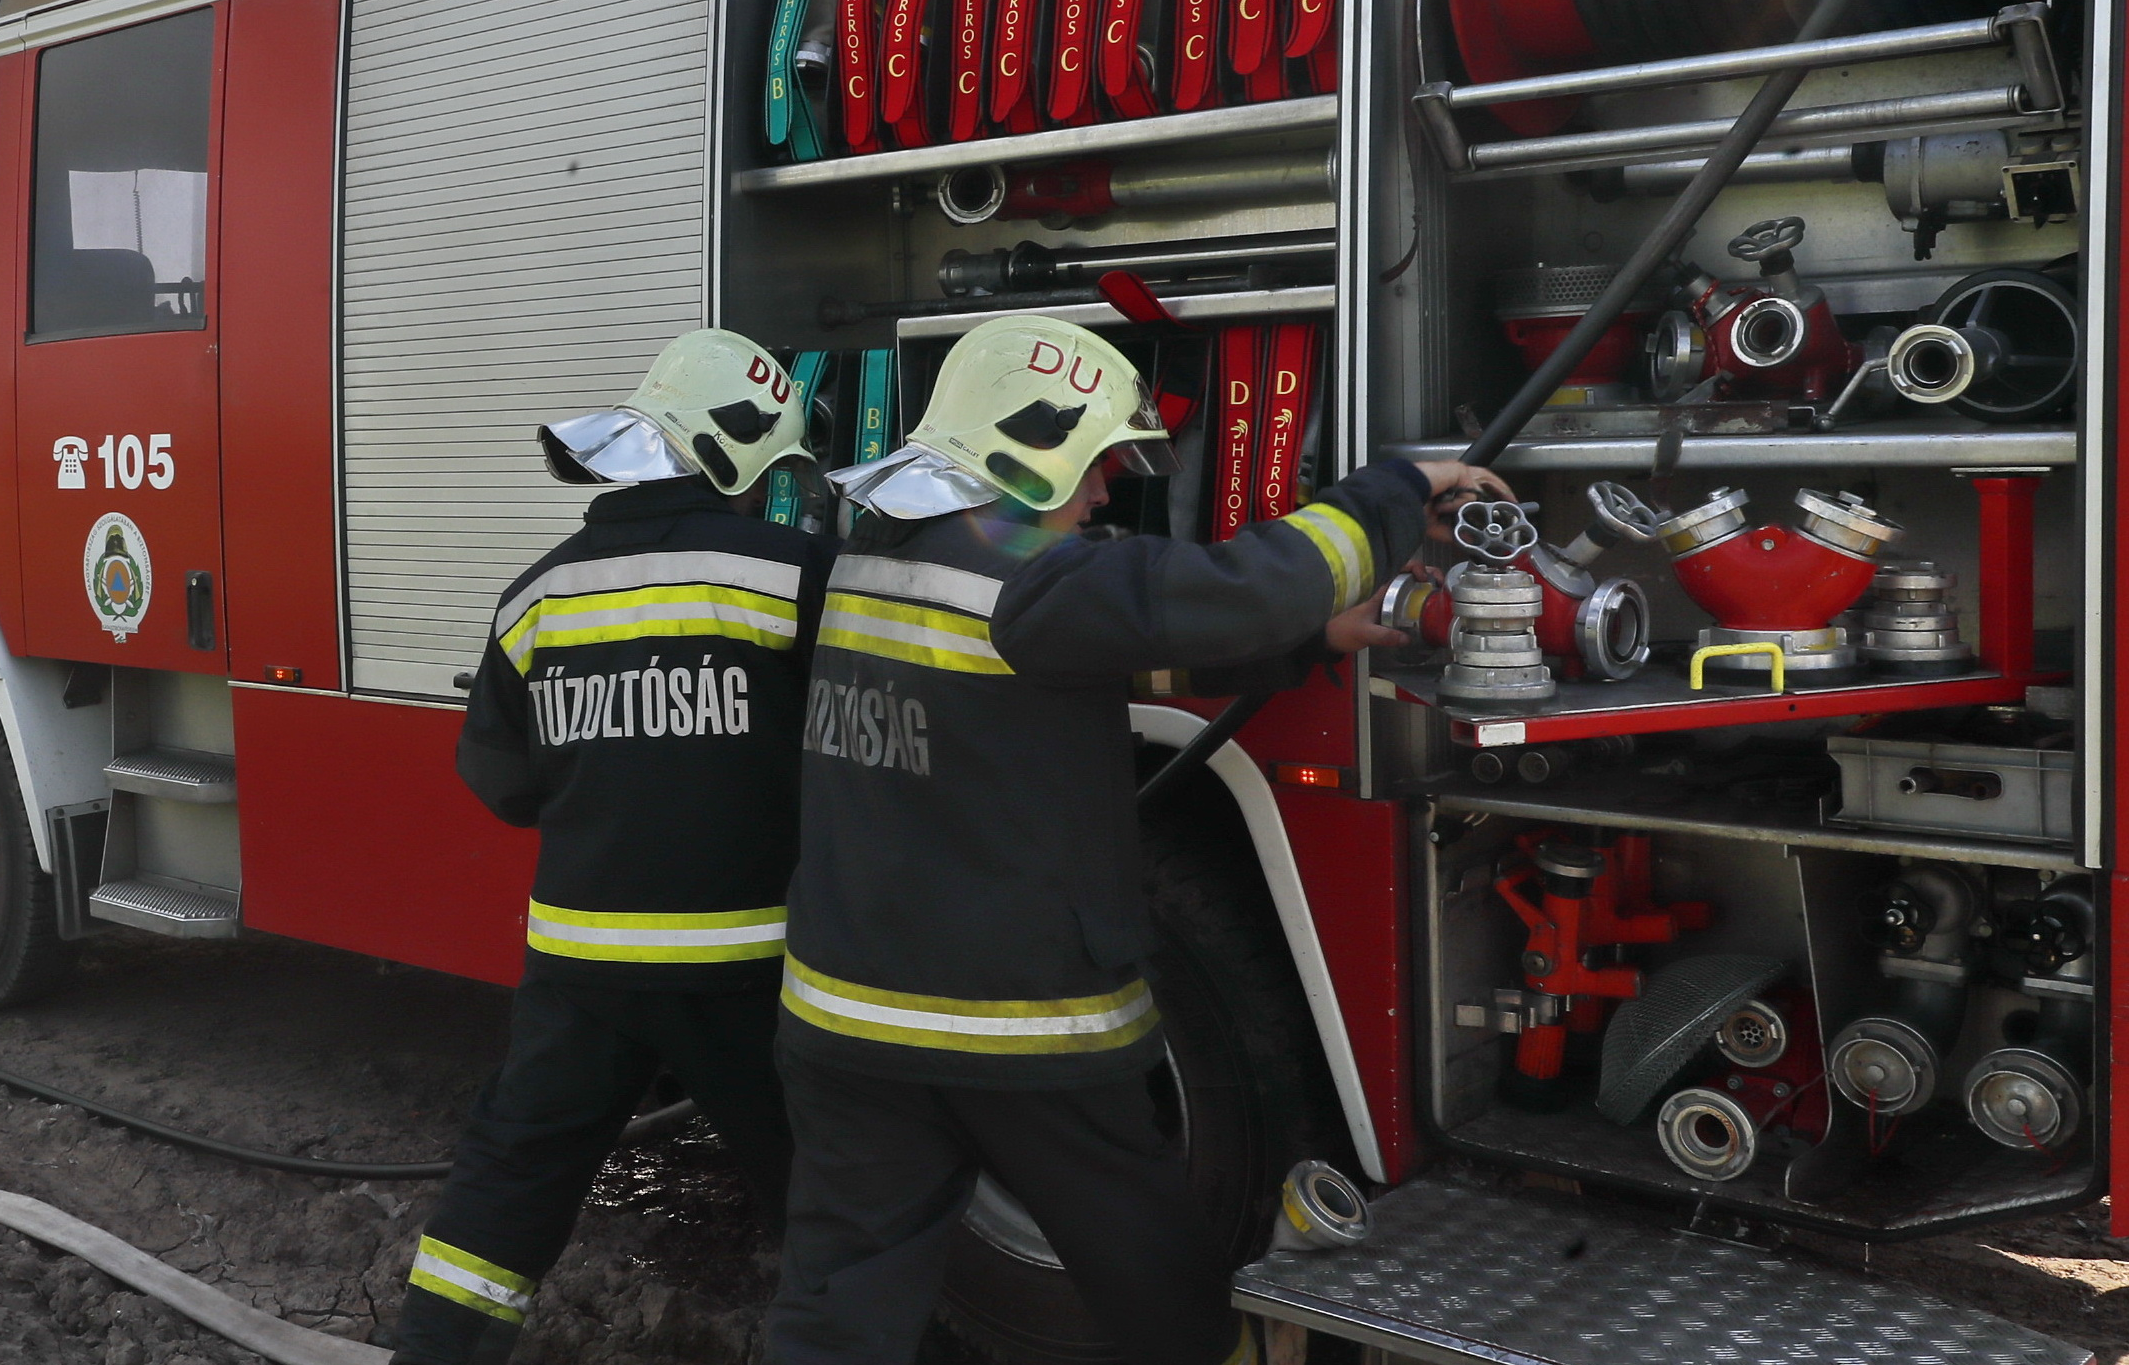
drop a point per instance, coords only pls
(291, 1047)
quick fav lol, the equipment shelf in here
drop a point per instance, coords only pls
(1621, 801)
(1241, 303)
(1310, 114)
(1661, 702)
(1916, 444)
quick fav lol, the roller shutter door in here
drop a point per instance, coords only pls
(523, 230)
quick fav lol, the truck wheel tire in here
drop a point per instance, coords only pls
(1247, 1068)
(34, 960)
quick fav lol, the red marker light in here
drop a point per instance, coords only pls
(282, 673)
(1308, 775)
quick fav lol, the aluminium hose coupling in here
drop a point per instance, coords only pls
(1714, 521)
(2024, 1098)
(1707, 1134)
(1495, 658)
(1846, 523)
(1320, 1210)
(1884, 1065)
(1932, 363)
(1910, 627)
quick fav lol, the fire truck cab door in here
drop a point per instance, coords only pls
(1457, 1271)
(119, 468)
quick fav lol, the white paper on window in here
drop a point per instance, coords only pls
(160, 214)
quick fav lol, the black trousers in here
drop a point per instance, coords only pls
(580, 1059)
(884, 1169)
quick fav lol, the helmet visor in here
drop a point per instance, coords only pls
(611, 447)
(1147, 457)
(1151, 453)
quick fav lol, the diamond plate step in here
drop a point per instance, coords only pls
(175, 774)
(1456, 1274)
(162, 909)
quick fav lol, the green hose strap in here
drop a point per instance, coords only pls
(782, 90)
(783, 482)
(875, 404)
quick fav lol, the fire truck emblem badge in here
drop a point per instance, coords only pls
(71, 452)
(118, 573)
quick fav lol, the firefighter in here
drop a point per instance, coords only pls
(638, 704)
(963, 989)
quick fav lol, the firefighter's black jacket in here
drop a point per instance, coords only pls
(967, 909)
(639, 702)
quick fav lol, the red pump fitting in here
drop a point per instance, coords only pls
(1582, 907)
(1773, 338)
(1626, 891)
(1779, 586)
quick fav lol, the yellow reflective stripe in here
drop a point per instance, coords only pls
(598, 936)
(1344, 547)
(1245, 1351)
(681, 609)
(466, 1279)
(1095, 1023)
(917, 635)
(622, 572)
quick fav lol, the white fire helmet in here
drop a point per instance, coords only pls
(1022, 407)
(713, 403)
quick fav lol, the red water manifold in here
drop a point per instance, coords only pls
(1771, 578)
(1770, 338)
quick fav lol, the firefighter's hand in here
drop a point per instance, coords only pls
(1456, 483)
(1358, 627)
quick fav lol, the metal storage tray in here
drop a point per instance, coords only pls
(2034, 803)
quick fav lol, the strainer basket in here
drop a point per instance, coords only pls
(1651, 1038)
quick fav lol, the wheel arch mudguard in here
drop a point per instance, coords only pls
(1252, 794)
(58, 751)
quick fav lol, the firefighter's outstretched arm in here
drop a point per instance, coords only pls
(1150, 603)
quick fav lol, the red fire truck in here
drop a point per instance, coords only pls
(1747, 869)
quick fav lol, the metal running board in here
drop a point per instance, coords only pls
(175, 774)
(1456, 1274)
(184, 912)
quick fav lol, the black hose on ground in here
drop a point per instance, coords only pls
(658, 1120)
(1683, 213)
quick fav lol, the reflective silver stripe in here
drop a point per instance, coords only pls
(657, 938)
(1025, 1026)
(1344, 546)
(645, 571)
(908, 633)
(472, 1282)
(957, 588)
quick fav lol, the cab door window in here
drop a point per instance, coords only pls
(119, 223)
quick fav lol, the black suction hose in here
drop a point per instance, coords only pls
(299, 1165)
(1685, 211)
(1201, 747)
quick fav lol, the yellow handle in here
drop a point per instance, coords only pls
(1701, 656)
